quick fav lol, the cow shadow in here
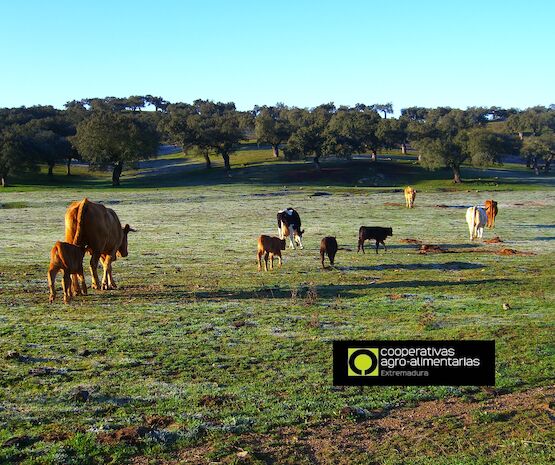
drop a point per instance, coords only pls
(549, 238)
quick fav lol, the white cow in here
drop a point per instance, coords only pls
(476, 219)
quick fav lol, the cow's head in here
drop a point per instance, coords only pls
(122, 250)
(390, 231)
(282, 244)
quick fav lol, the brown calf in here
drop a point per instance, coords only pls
(328, 245)
(69, 258)
(491, 212)
(410, 195)
(269, 246)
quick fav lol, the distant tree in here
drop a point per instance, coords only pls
(541, 147)
(107, 138)
(308, 137)
(415, 113)
(135, 102)
(352, 130)
(16, 152)
(391, 133)
(272, 127)
(385, 108)
(157, 102)
(447, 140)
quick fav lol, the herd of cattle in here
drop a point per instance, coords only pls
(95, 229)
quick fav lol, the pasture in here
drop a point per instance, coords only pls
(198, 357)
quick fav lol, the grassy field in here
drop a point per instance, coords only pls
(199, 358)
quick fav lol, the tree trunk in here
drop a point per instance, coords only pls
(275, 149)
(4, 180)
(116, 173)
(317, 162)
(456, 174)
(374, 156)
(207, 160)
(536, 167)
(68, 166)
(404, 148)
(50, 169)
(226, 161)
(547, 165)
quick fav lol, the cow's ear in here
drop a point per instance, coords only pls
(128, 228)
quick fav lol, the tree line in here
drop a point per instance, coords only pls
(113, 132)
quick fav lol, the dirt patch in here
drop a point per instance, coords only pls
(129, 435)
(215, 400)
(159, 421)
(410, 241)
(394, 204)
(494, 240)
(512, 252)
(431, 248)
(336, 440)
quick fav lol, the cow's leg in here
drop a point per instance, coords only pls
(298, 238)
(271, 261)
(66, 285)
(266, 261)
(291, 235)
(81, 277)
(258, 257)
(332, 258)
(75, 285)
(107, 279)
(111, 282)
(279, 260)
(377, 245)
(322, 258)
(384, 246)
(361, 244)
(52, 272)
(94, 270)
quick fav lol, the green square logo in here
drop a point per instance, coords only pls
(362, 361)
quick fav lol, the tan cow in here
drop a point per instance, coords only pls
(97, 228)
(410, 195)
(69, 259)
(491, 212)
(269, 246)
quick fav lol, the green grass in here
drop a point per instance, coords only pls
(196, 333)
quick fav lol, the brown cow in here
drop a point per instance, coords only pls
(491, 212)
(410, 195)
(328, 245)
(69, 258)
(269, 246)
(97, 228)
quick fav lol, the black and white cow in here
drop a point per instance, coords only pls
(289, 225)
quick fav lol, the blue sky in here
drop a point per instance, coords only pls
(303, 53)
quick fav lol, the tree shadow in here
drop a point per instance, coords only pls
(324, 291)
(448, 266)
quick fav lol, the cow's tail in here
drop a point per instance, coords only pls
(61, 255)
(78, 226)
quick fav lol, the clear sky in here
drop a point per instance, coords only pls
(303, 53)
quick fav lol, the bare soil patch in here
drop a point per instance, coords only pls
(431, 248)
(494, 240)
(410, 241)
(335, 440)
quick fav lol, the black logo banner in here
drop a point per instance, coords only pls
(414, 363)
